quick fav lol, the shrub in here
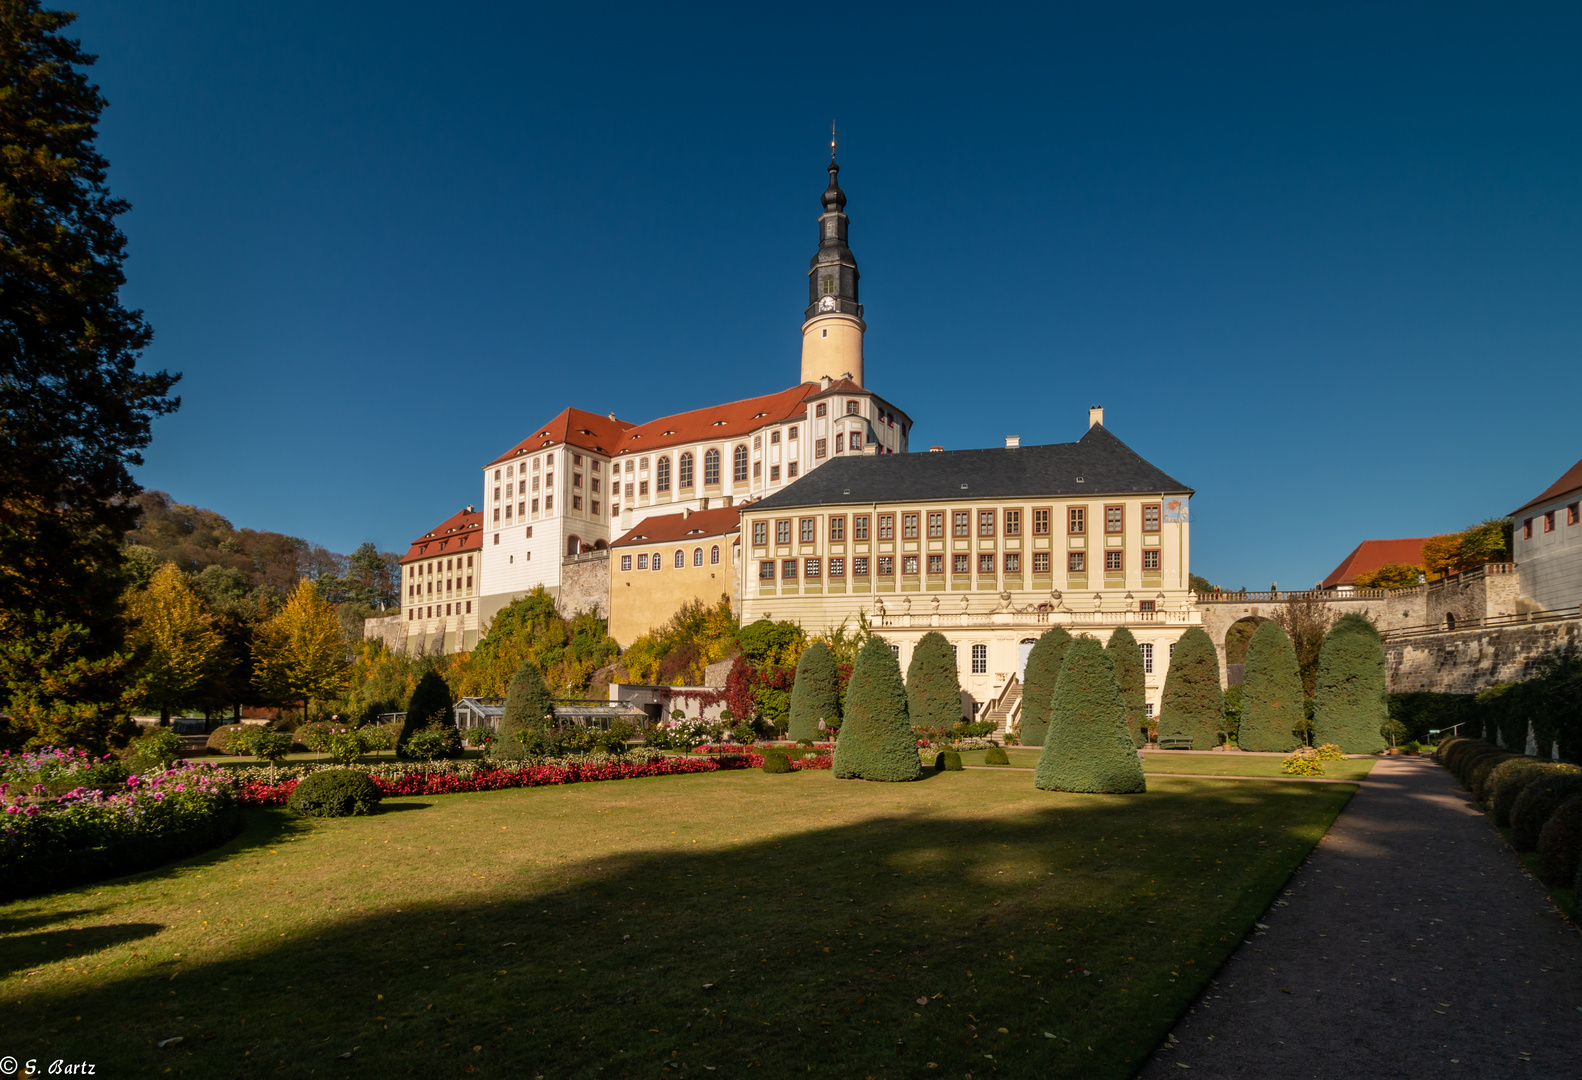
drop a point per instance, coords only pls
(434, 741)
(1349, 706)
(528, 704)
(1128, 659)
(1470, 762)
(157, 750)
(1560, 844)
(815, 694)
(1510, 778)
(1536, 803)
(947, 761)
(996, 755)
(316, 736)
(1088, 748)
(744, 733)
(262, 743)
(1304, 762)
(430, 704)
(1478, 775)
(776, 763)
(875, 740)
(220, 738)
(1271, 692)
(335, 793)
(1329, 752)
(381, 736)
(1038, 683)
(933, 693)
(1192, 703)
(479, 736)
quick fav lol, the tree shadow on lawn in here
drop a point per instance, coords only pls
(20, 952)
(1058, 941)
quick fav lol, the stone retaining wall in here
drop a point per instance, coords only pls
(1466, 661)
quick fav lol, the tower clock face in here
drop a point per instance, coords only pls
(827, 304)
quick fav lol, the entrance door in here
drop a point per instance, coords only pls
(1022, 649)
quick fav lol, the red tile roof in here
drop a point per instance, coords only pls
(1568, 483)
(462, 531)
(669, 528)
(1372, 554)
(590, 431)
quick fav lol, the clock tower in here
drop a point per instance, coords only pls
(832, 328)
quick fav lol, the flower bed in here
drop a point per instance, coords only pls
(739, 748)
(87, 833)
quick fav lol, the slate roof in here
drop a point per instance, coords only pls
(1571, 481)
(1104, 464)
(1372, 554)
(668, 528)
(462, 531)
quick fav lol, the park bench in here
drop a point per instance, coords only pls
(1175, 742)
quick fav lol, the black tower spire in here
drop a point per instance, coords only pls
(832, 276)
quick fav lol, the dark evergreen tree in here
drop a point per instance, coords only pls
(528, 705)
(1271, 692)
(1088, 748)
(1038, 683)
(1193, 702)
(75, 412)
(1128, 659)
(815, 694)
(876, 740)
(933, 693)
(430, 704)
(1349, 703)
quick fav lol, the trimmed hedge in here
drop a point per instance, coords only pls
(1480, 771)
(1193, 703)
(815, 695)
(1560, 844)
(876, 741)
(1510, 778)
(1044, 661)
(933, 693)
(1271, 693)
(1088, 748)
(220, 738)
(996, 755)
(947, 761)
(775, 762)
(528, 705)
(335, 793)
(1536, 804)
(1129, 676)
(1349, 707)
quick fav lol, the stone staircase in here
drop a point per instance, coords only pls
(1005, 709)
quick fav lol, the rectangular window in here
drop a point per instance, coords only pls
(1148, 710)
(852, 409)
(1147, 607)
(788, 568)
(1527, 527)
(807, 530)
(986, 563)
(1040, 562)
(766, 570)
(792, 468)
(549, 503)
(985, 522)
(818, 448)
(909, 565)
(1040, 522)
(960, 564)
(859, 527)
(642, 562)
(1572, 513)
(595, 485)
(961, 523)
(909, 526)
(859, 566)
(1151, 518)
(1013, 563)
(791, 434)
(631, 490)
(1077, 563)
(535, 506)
(837, 567)
(521, 509)
(595, 508)
(760, 533)
(1151, 560)
(497, 520)
(774, 473)
(886, 526)
(886, 566)
(1077, 520)
(837, 528)
(821, 409)
(1112, 560)
(936, 564)
(576, 479)
(783, 531)
(758, 469)
(1549, 521)
(576, 502)
(980, 659)
(936, 525)
(1148, 657)
(508, 509)
(1114, 522)
(840, 443)
(1013, 523)
(576, 459)
(811, 568)
(774, 438)
(642, 487)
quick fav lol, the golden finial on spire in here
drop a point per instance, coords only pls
(832, 140)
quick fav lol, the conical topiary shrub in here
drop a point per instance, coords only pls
(815, 695)
(876, 740)
(933, 693)
(1128, 659)
(1271, 692)
(430, 704)
(1038, 683)
(1193, 703)
(528, 705)
(1088, 748)
(1349, 706)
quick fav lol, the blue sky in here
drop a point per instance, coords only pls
(1320, 262)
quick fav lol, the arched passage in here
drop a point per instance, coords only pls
(573, 545)
(1236, 641)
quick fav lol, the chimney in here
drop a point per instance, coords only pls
(870, 449)
(612, 416)
(1012, 440)
(1096, 416)
(469, 509)
(824, 382)
(935, 449)
(686, 512)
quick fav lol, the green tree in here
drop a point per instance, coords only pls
(430, 704)
(1128, 660)
(528, 705)
(1350, 706)
(1271, 692)
(301, 653)
(174, 639)
(933, 693)
(876, 740)
(75, 412)
(1038, 683)
(815, 695)
(1089, 748)
(567, 650)
(1193, 702)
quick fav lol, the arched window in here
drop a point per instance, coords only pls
(662, 475)
(681, 558)
(685, 471)
(659, 560)
(697, 556)
(739, 464)
(714, 555)
(573, 545)
(711, 467)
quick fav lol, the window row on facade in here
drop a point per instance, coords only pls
(986, 563)
(656, 561)
(1573, 513)
(958, 524)
(418, 612)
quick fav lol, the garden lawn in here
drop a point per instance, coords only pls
(1163, 762)
(795, 923)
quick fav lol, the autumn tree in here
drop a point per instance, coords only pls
(301, 654)
(1393, 575)
(1305, 622)
(174, 639)
(75, 411)
(1452, 553)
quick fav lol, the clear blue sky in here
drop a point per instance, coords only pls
(1321, 262)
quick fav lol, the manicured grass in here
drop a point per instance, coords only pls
(1163, 762)
(793, 923)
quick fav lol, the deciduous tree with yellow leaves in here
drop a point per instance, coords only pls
(175, 641)
(301, 652)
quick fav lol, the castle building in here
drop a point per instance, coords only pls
(440, 586)
(582, 479)
(1547, 544)
(669, 560)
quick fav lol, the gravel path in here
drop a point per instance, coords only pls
(1410, 944)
